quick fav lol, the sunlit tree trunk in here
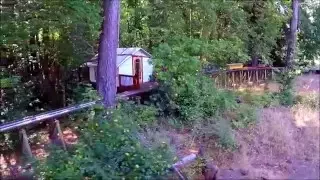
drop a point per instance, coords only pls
(107, 58)
(292, 38)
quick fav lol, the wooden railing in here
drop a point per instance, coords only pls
(128, 82)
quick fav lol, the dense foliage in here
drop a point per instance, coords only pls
(44, 44)
(189, 92)
(309, 38)
(109, 148)
(45, 41)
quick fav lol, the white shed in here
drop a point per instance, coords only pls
(133, 67)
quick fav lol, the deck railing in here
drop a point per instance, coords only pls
(128, 82)
(125, 80)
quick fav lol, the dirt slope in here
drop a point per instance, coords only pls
(285, 142)
(280, 147)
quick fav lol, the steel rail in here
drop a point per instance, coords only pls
(19, 123)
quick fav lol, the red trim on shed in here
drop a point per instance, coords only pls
(134, 58)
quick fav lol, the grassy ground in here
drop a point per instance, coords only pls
(283, 144)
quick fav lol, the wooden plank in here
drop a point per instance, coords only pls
(241, 77)
(145, 87)
(233, 83)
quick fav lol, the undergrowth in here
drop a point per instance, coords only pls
(108, 148)
(285, 79)
(190, 97)
(207, 130)
(143, 115)
(311, 100)
(245, 116)
(267, 99)
(112, 143)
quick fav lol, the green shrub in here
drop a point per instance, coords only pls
(108, 148)
(17, 101)
(9, 82)
(196, 99)
(143, 115)
(286, 95)
(83, 93)
(184, 91)
(60, 164)
(225, 134)
(219, 128)
(245, 115)
(266, 99)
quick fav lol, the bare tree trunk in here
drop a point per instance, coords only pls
(107, 57)
(292, 38)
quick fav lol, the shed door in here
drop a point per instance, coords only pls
(138, 68)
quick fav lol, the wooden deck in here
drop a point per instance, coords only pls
(145, 87)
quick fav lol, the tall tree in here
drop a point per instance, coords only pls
(292, 37)
(309, 30)
(107, 56)
(265, 23)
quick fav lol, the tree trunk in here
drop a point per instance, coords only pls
(107, 56)
(254, 60)
(292, 38)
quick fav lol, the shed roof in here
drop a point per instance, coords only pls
(125, 53)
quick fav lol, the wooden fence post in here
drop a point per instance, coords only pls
(241, 77)
(233, 79)
(25, 146)
(225, 79)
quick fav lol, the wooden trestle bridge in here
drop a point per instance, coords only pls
(243, 76)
